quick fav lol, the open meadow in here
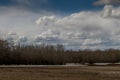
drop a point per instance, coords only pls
(60, 73)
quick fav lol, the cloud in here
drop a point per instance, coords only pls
(48, 37)
(12, 33)
(46, 20)
(28, 2)
(110, 12)
(31, 5)
(86, 29)
(107, 2)
(21, 40)
(22, 2)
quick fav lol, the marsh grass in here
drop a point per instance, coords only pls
(60, 73)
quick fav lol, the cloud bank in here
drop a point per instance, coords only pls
(85, 29)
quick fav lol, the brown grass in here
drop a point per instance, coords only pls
(60, 73)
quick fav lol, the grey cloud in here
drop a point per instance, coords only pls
(11, 36)
(23, 39)
(110, 12)
(48, 36)
(107, 2)
(11, 39)
(32, 5)
(28, 2)
(90, 28)
(12, 33)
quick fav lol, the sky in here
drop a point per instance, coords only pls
(76, 24)
(53, 5)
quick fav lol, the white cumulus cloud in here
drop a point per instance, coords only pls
(111, 12)
(85, 29)
(46, 20)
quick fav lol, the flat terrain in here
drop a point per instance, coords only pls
(60, 73)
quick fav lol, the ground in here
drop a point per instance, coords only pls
(60, 73)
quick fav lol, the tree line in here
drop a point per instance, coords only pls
(52, 55)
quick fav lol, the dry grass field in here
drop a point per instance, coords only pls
(60, 73)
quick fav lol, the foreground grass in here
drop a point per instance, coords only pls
(60, 73)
